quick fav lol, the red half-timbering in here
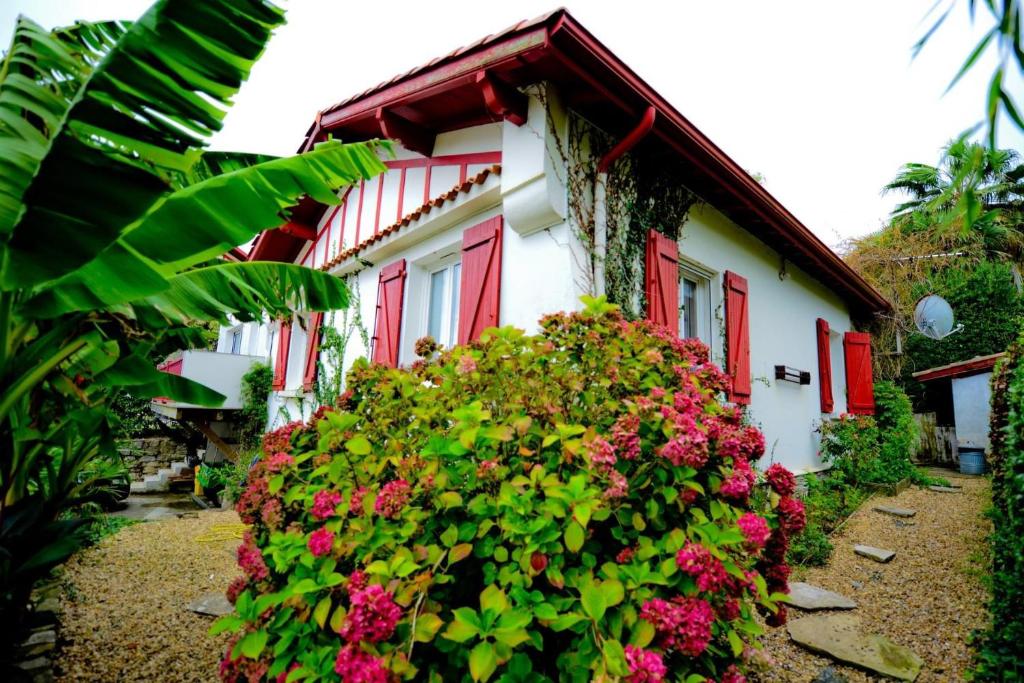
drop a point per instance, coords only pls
(284, 343)
(860, 388)
(388, 326)
(480, 289)
(312, 350)
(737, 337)
(824, 365)
(662, 280)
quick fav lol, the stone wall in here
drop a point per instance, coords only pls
(147, 456)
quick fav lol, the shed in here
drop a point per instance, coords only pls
(964, 386)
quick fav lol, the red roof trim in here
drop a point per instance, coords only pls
(964, 368)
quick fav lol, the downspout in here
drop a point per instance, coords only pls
(600, 193)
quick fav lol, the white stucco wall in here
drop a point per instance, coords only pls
(971, 398)
(782, 332)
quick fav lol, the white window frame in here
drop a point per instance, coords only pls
(702, 277)
(452, 268)
(236, 333)
(416, 308)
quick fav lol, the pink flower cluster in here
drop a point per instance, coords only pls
(235, 588)
(781, 480)
(321, 541)
(392, 498)
(684, 624)
(486, 469)
(250, 559)
(272, 514)
(372, 616)
(733, 675)
(278, 462)
(280, 439)
(355, 503)
(250, 503)
(626, 437)
(467, 364)
(602, 455)
(354, 665)
(792, 515)
(741, 483)
(645, 666)
(618, 486)
(697, 561)
(325, 504)
(687, 449)
(755, 529)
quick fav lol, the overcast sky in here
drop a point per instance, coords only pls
(821, 98)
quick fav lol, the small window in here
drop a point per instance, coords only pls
(236, 342)
(443, 307)
(694, 304)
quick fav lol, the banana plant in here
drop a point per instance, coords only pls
(113, 217)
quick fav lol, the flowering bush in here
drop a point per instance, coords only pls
(570, 506)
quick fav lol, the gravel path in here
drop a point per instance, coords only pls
(929, 598)
(125, 608)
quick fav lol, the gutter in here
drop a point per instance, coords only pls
(639, 132)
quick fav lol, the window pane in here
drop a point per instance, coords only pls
(689, 318)
(236, 342)
(436, 305)
(456, 285)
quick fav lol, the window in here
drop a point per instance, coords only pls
(443, 307)
(694, 304)
(236, 341)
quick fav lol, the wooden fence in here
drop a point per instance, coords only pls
(938, 443)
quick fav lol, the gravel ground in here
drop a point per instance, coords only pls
(125, 603)
(929, 598)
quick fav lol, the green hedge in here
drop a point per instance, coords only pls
(1000, 654)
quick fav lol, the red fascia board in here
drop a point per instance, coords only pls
(974, 366)
(461, 71)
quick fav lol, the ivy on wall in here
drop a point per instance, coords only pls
(339, 328)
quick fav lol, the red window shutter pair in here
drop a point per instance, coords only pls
(390, 289)
(737, 337)
(312, 350)
(662, 280)
(860, 389)
(824, 366)
(479, 291)
(284, 342)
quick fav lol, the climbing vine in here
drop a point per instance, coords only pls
(339, 328)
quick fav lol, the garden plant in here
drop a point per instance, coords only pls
(575, 505)
(112, 222)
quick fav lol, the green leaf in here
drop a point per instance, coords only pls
(493, 598)
(358, 445)
(427, 626)
(304, 586)
(613, 592)
(252, 644)
(321, 611)
(566, 621)
(450, 499)
(615, 657)
(574, 536)
(735, 642)
(450, 536)
(482, 661)
(594, 604)
(463, 627)
(642, 634)
(459, 552)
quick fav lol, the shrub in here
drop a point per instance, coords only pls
(898, 436)
(252, 422)
(999, 648)
(579, 494)
(850, 445)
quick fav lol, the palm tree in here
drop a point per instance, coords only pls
(112, 222)
(973, 193)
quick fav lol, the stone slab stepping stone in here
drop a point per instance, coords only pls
(873, 553)
(807, 597)
(160, 513)
(895, 512)
(945, 489)
(840, 637)
(212, 604)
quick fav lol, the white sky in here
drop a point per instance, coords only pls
(821, 98)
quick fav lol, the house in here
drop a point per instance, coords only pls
(534, 167)
(959, 395)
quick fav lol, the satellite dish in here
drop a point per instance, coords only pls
(933, 317)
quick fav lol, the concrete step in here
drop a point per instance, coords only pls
(155, 482)
(179, 467)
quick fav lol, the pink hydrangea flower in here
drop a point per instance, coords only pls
(792, 515)
(645, 666)
(235, 588)
(682, 450)
(602, 454)
(618, 486)
(355, 503)
(657, 393)
(272, 514)
(467, 364)
(733, 675)
(729, 610)
(325, 504)
(625, 436)
(321, 541)
(736, 487)
(696, 560)
(625, 556)
(356, 666)
(486, 468)
(684, 624)
(279, 461)
(755, 529)
(356, 581)
(250, 559)
(372, 615)
(781, 480)
(392, 498)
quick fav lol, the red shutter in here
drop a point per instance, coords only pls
(480, 288)
(312, 350)
(284, 343)
(860, 388)
(737, 337)
(824, 366)
(662, 280)
(390, 290)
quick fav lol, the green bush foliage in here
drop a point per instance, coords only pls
(999, 647)
(574, 505)
(829, 500)
(850, 445)
(252, 421)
